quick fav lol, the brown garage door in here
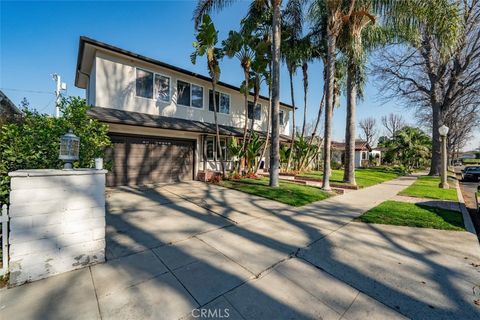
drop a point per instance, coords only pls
(140, 160)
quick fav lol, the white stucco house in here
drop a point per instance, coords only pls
(160, 116)
(363, 154)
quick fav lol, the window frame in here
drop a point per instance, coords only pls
(260, 107)
(190, 90)
(153, 83)
(154, 95)
(211, 138)
(216, 157)
(191, 97)
(219, 95)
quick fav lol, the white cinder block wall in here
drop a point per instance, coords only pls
(57, 222)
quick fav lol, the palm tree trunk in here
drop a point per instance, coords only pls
(256, 94)
(268, 128)
(219, 146)
(292, 143)
(275, 149)
(349, 166)
(329, 110)
(305, 91)
(245, 96)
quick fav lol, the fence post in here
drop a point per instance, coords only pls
(4, 221)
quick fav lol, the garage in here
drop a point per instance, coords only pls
(140, 160)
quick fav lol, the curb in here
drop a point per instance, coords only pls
(467, 221)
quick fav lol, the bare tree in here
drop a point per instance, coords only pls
(392, 123)
(436, 71)
(369, 130)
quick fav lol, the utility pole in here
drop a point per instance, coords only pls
(60, 86)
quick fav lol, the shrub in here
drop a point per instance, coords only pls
(33, 142)
(335, 165)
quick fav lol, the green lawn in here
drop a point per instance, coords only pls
(413, 215)
(290, 193)
(471, 161)
(427, 187)
(365, 177)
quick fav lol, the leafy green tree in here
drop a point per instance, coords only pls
(207, 38)
(34, 141)
(410, 147)
(252, 151)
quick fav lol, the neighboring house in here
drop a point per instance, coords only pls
(160, 117)
(8, 110)
(362, 153)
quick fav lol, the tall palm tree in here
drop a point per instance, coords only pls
(241, 45)
(205, 45)
(353, 49)
(291, 54)
(335, 12)
(207, 6)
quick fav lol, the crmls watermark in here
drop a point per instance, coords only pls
(211, 313)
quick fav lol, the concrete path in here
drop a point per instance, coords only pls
(192, 250)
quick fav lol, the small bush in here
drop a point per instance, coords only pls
(335, 165)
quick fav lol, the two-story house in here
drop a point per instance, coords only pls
(160, 117)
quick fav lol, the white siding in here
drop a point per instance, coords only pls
(113, 79)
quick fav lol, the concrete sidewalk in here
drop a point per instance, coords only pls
(201, 251)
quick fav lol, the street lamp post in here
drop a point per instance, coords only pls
(443, 130)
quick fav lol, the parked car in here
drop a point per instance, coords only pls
(471, 173)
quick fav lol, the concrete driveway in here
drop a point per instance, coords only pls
(198, 251)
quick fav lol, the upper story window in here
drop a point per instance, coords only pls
(254, 113)
(222, 101)
(281, 117)
(197, 96)
(189, 94)
(183, 93)
(150, 85)
(144, 85)
(162, 88)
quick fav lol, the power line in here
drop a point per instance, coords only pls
(30, 91)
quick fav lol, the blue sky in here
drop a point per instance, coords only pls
(40, 38)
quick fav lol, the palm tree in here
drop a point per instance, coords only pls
(207, 6)
(292, 31)
(205, 45)
(240, 45)
(353, 49)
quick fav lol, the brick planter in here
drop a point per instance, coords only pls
(335, 185)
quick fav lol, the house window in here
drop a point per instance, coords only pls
(183, 93)
(144, 84)
(223, 144)
(257, 113)
(210, 148)
(281, 116)
(364, 155)
(222, 101)
(197, 96)
(162, 88)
